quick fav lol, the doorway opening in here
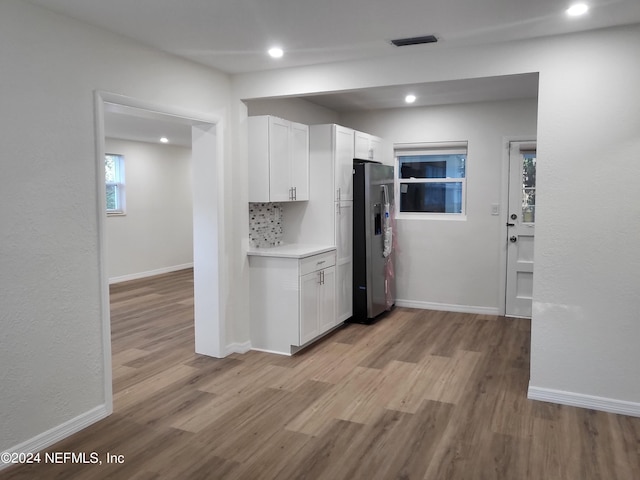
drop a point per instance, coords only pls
(521, 216)
(206, 151)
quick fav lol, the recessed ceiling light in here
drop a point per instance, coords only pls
(410, 98)
(577, 9)
(276, 52)
(164, 140)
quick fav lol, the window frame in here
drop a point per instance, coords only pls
(431, 148)
(119, 185)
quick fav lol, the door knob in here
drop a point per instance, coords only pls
(513, 239)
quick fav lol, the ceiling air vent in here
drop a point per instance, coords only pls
(403, 42)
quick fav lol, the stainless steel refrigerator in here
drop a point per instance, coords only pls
(373, 277)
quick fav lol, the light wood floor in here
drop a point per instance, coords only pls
(418, 395)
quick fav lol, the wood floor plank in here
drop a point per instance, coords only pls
(416, 395)
(454, 381)
(417, 381)
(141, 392)
(335, 403)
(329, 364)
(322, 456)
(274, 458)
(247, 440)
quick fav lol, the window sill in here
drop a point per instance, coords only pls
(450, 217)
(116, 214)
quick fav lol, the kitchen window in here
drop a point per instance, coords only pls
(114, 182)
(431, 179)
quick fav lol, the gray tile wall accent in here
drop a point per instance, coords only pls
(265, 225)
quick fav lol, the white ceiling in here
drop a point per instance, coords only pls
(233, 35)
(471, 90)
(128, 123)
(141, 125)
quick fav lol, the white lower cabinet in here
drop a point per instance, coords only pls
(293, 301)
(317, 303)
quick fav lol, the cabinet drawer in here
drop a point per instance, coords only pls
(317, 262)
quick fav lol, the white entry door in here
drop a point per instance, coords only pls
(521, 228)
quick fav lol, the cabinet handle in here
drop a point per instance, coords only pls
(320, 263)
(338, 195)
(322, 277)
(295, 193)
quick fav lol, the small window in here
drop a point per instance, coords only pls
(431, 178)
(114, 178)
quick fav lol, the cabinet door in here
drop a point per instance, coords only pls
(362, 145)
(279, 160)
(300, 160)
(375, 147)
(344, 230)
(327, 300)
(344, 260)
(309, 299)
(344, 291)
(258, 150)
(344, 163)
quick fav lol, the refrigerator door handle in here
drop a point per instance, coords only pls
(386, 222)
(385, 194)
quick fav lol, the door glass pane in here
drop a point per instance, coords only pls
(529, 187)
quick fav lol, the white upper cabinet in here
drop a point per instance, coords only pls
(343, 163)
(367, 147)
(278, 160)
(299, 134)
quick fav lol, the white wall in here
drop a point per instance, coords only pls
(587, 281)
(156, 234)
(51, 347)
(449, 263)
(585, 315)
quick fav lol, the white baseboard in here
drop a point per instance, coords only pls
(264, 350)
(150, 273)
(610, 405)
(445, 307)
(237, 348)
(48, 438)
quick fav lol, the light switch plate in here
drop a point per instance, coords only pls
(495, 209)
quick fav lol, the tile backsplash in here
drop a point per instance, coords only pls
(265, 225)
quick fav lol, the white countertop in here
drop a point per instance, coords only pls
(293, 250)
